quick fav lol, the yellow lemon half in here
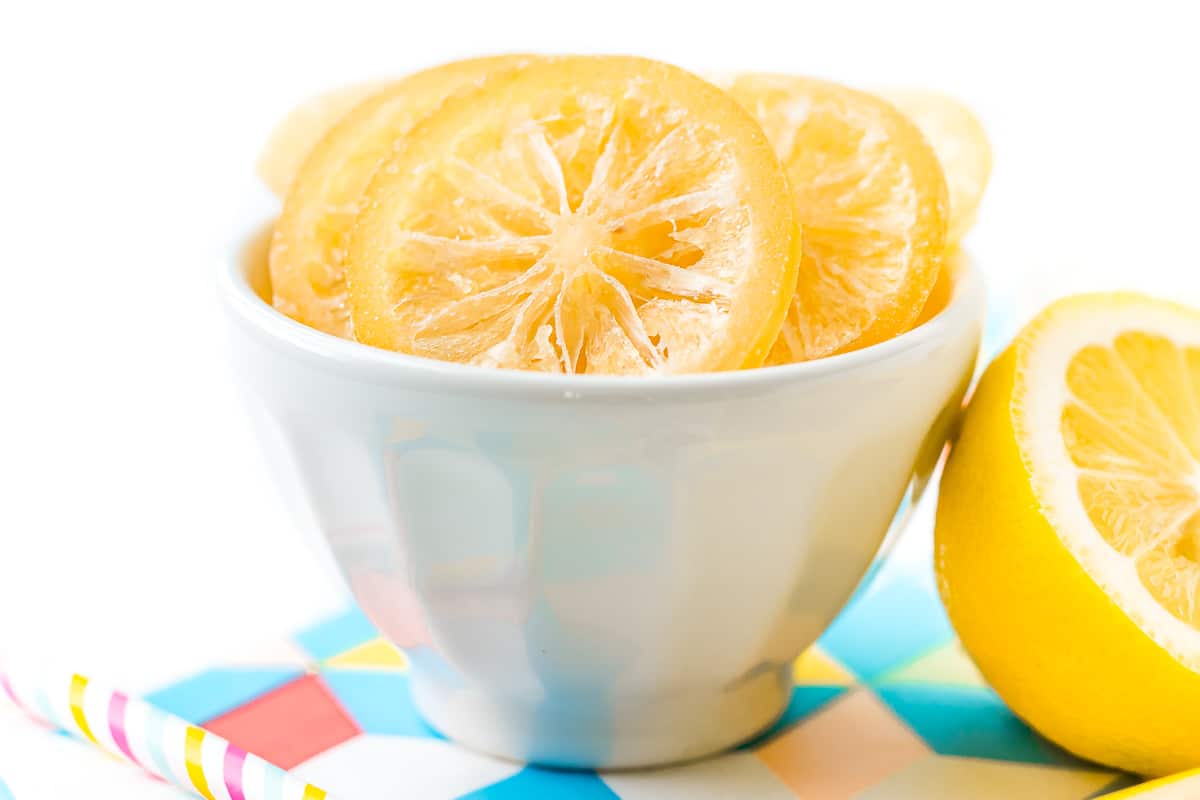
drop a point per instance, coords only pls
(1068, 529)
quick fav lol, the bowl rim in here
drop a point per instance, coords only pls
(965, 310)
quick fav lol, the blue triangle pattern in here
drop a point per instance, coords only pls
(380, 702)
(534, 783)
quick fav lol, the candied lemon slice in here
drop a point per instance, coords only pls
(869, 193)
(309, 246)
(954, 263)
(294, 138)
(590, 215)
(1068, 529)
(961, 145)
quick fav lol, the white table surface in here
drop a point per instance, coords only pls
(139, 534)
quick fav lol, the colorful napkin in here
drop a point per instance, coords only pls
(886, 705)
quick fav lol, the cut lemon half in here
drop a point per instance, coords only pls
(1068, 529)
(307, 273)
(869, 193)
(961, 145)
(294, 138)
(598, 215)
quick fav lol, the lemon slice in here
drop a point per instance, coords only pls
(307, 274)
(294, 138)
(870, 195)
(953, 265)
(1068, 533)
(592, 215)
(961, 145)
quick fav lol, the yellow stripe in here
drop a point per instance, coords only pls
(313, 793)
(78, 687)
(193, 744)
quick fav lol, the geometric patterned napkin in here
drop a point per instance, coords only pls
(887, 705)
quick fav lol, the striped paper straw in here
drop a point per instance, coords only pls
(162, 744)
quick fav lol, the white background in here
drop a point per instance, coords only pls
(138, 529)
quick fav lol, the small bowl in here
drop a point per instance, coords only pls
(597, 571)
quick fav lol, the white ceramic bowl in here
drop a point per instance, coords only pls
(598, 571)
